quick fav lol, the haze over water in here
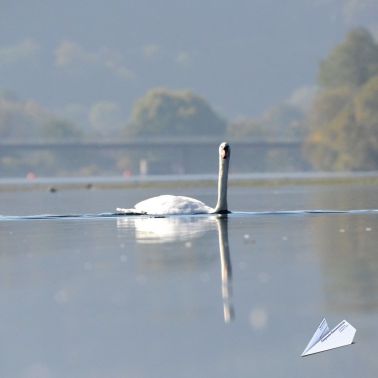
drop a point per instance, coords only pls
(187, 296)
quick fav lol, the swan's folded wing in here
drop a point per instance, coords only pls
(172, 205)
(123, 211)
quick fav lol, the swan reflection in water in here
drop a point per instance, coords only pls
(184, 229)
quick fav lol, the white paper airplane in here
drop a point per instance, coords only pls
(324, 339)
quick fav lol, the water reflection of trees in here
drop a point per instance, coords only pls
(347, 246)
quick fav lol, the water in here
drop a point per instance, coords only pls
(196, 296)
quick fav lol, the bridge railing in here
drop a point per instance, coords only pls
(149, 156)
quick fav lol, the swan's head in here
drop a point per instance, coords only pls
(224, 158)
(224, 151)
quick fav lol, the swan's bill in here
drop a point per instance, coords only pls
(323, 339)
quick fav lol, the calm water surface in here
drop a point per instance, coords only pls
(187, 296)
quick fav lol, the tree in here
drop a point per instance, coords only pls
(349, 139)
(344, 116)
(327, 105)
(352, 63)
(59, 129)
(28, 120)
(366, 115)
(248, 128)
(165, 113)
(106, 119)
(284, 122)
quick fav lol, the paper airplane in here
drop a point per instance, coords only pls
(324, 339)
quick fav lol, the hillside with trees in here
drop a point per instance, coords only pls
(284, 122)
(344, 116)
(164, 113)
(338, 126)
(29, 121)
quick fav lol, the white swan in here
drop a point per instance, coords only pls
(172, 205)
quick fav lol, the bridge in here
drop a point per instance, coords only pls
(142, 144)
(160, 155)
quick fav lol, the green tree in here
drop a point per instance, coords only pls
(165, 113)
(28, 120)
(248, 128)
(59, 129)
(284, 122)
(352, 63)
(327, 105)
(344, 116)
(366, 116)
(349, 139)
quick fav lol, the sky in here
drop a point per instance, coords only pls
(91, 60)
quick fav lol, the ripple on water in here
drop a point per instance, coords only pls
(4, 218)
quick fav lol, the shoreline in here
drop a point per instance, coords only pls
(162, 181)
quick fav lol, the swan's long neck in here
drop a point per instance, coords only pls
(221, 206)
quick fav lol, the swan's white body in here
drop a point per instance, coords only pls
(168, 204)
(174, 205)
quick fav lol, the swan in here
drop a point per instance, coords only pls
(174, 205)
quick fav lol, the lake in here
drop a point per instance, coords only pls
(187, 296)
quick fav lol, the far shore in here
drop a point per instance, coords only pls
(53, 184)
